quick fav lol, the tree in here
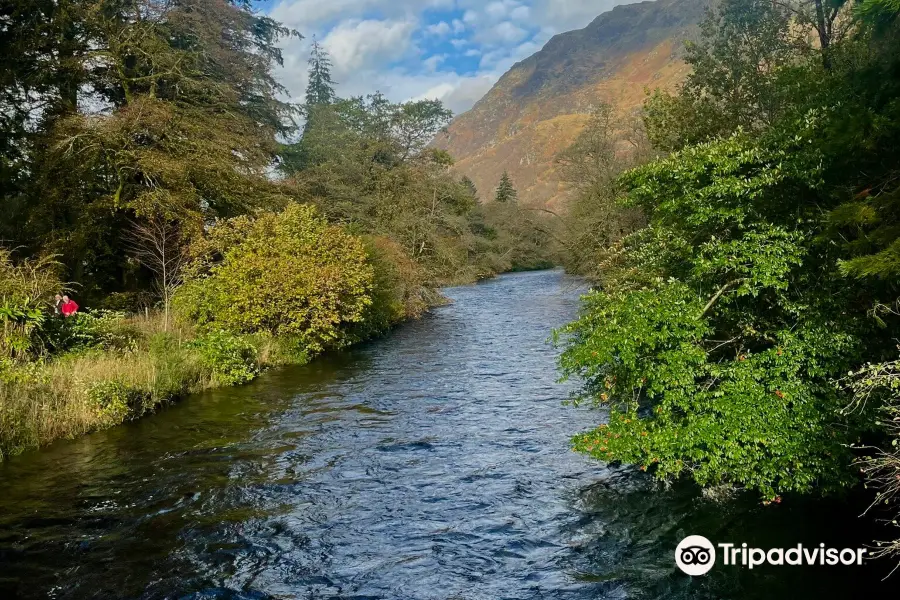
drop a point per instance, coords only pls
(187, 127)
(320, 88)
(715, 334)
(415, 124)
(290, 274)
(594, 221)
(734, 83)
(470, 186)
(159, 245)
(506, 192)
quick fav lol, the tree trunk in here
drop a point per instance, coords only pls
(824, 35)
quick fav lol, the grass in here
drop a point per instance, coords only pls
(146, 365)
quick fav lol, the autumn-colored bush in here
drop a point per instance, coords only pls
(399, 290)
(288, 273)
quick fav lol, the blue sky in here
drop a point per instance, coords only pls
(453, 50)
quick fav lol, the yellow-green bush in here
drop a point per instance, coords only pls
(398, 293)
(288, 273)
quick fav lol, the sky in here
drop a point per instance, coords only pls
(452, 50)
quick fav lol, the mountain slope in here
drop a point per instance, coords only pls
(541, 104)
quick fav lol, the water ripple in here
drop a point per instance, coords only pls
(433, 464)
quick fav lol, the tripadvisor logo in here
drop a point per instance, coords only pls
(696, 555)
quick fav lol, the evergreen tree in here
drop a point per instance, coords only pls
(320, 89)
(470, 185)
(319, 111)
(187, 133)
(506, 192)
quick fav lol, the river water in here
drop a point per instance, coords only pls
(432, 464)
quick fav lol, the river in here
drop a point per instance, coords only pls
(431, 464)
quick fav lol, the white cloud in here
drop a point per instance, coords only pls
(496, 10)
(503, 33)
(459, 94)
(309, 14)
(439, 29)
(565, 15)
(355, 45)
(432, 62)
(520, 13)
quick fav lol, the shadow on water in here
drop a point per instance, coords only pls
(432, 464)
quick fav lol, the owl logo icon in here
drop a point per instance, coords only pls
(695, 555)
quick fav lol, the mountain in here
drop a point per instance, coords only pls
(541, 104)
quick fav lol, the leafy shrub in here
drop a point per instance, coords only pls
(398, 292)
(283, 274)
(25, 289)
(20, 322)
(95, 329)
(116, 400)
(231, 358)
(719, 328)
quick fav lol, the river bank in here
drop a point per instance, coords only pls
(129, 368)
(432, 464)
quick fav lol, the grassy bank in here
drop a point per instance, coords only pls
(60, 378)
(124, 367)
(121, 369)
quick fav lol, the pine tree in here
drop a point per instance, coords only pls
(506, 192)
(470, 186)
(320, 89)
(318, 110)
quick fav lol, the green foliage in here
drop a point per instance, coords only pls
(721, 326)
(470, 186)
(366, 165)
(186, 129)
(231, 358)
(719, 329)
(398, 292)
(177, 368)
(288, 273)
(879, 12)
(506, 192)
(320, 88)
(25, 290)
(595, 220)
(101, 329)
(117, 400)
(764, 419)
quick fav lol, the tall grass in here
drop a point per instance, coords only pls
(78, 393)
(95, 388)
